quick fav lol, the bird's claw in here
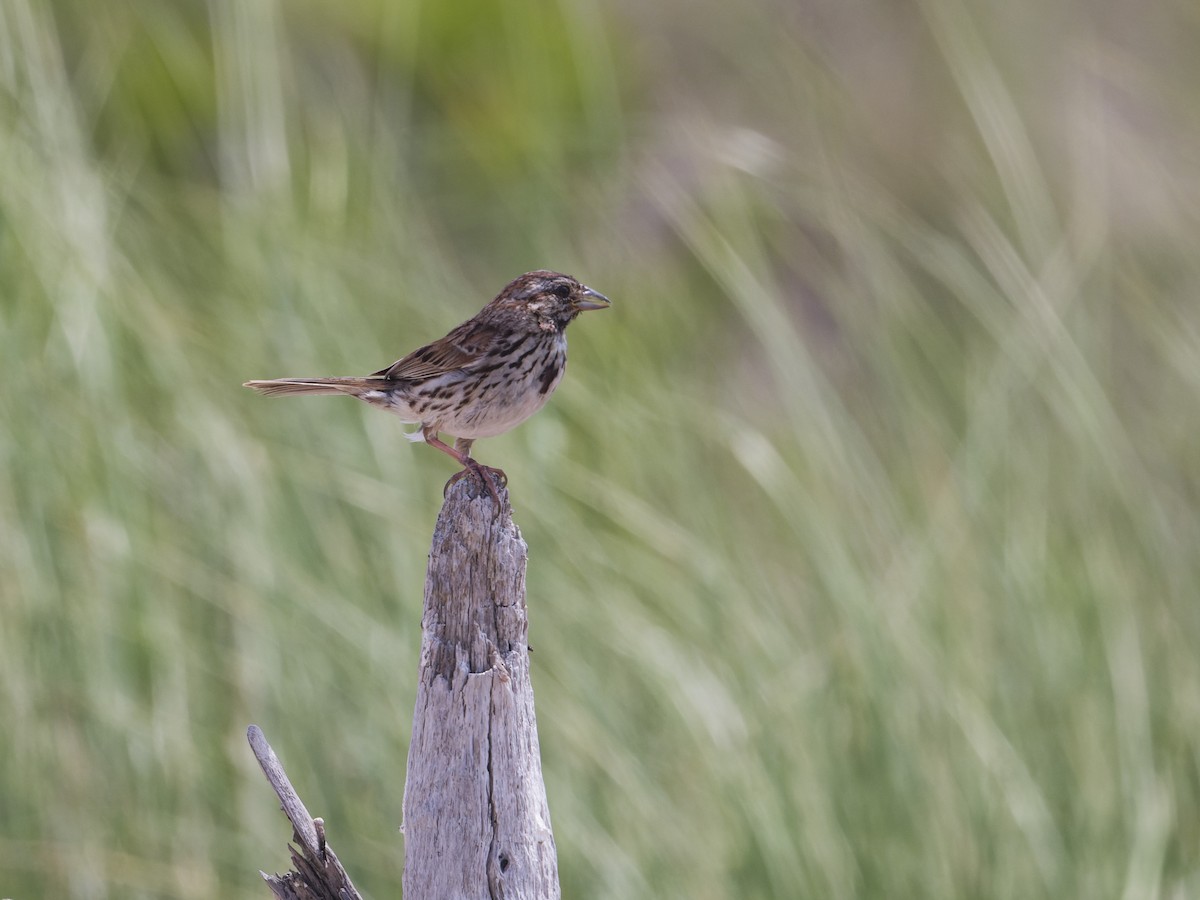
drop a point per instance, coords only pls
(481, 472)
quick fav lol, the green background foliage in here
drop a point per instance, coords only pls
(864, 530)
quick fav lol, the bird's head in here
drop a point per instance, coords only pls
(551, 299)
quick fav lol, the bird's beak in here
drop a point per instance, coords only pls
(589, 299)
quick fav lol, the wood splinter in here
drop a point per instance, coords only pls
(318, 874)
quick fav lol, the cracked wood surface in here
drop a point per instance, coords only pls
(476, 822)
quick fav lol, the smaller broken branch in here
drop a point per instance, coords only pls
(318, 874)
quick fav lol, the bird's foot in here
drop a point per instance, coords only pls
(489, 475)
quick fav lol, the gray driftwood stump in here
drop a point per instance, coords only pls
(476, 823)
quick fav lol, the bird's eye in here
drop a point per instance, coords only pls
(561, 290)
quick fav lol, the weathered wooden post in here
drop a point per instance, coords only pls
(476, 822)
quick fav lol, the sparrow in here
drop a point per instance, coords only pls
(485, 377)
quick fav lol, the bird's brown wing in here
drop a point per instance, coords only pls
(460, 349)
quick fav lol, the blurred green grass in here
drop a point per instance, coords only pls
(863, 532)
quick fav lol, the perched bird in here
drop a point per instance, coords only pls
(488, 375)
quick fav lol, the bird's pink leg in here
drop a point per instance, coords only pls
(461, 451)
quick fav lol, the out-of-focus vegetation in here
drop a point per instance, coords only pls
(864, 531)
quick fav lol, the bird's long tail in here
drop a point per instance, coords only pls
(282, 387)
